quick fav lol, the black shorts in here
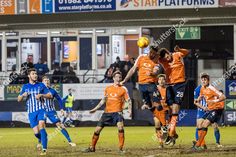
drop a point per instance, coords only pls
(149, 93)
(213, 116)
(175, 93)
(108, 119)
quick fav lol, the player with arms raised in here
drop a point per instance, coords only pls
(148, 68)
(173, 65)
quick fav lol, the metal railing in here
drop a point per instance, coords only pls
(83, 78)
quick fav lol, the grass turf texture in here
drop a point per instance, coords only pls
(139, 141)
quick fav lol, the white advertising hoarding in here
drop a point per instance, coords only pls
(164, 4)
(76, 115)
(85, 91)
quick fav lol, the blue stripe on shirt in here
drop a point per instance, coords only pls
(197, 94)
(32, 90)
(49, 103)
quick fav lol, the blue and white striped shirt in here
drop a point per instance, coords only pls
(32, 90)
(197, 94)
(49, 103)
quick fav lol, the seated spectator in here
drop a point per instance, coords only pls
(23, 79)
(108, 75)
(232, 72)
(13, 77)
(41, 68)
(57, 75)
(26, 66)
(117, 63)
(70, 76)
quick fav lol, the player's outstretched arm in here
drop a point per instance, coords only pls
(183, 52)
(129, 75)
(60, 101)
(102, 102)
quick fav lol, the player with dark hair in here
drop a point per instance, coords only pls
(114, 98)
(213, 98)
(173, 65)
(148, 68)
(35, 92)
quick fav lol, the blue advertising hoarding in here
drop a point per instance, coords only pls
(84, 5)
(47, 6)
(230, 89)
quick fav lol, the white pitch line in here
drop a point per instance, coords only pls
(17, 133)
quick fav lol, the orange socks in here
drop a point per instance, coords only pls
(121, 136)
(159, 135)
(172, 124)
(201, 140)
(94, 140)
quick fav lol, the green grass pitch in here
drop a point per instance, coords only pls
(139, 141)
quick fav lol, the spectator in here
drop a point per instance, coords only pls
(41, 68)
(131, 62)
(13, 77)
(108, 75)
(70, 76)
(22, 79)
(26, 66)
(125, 72)
(57, 75)
(117, 63)
(232, 72)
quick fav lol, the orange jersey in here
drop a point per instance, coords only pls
(210, 93)
(175, 70)
(115, 97)
(220, 105)
(145, 66)
(162, 91)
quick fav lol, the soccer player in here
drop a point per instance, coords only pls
(34, 92)
(51, 111)
(69, 99)
(148, 68)
(160, 117)
(174, 69)
(201, 111)
(212, 97)
(114, 98)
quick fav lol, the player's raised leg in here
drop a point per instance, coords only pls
(65, 133)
